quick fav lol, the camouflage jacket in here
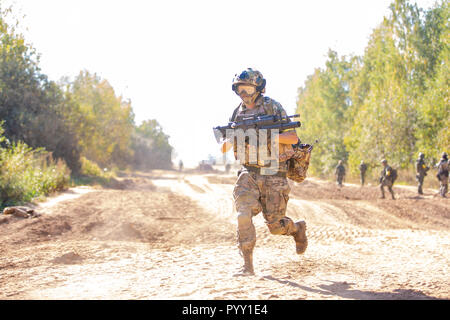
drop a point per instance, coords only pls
(340, 170)
(363, 168)
(263, 106)
(386, 173)
(421, 167)
(443, 168)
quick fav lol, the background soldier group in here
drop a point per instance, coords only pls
(388, 174)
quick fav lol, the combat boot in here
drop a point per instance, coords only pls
(301, 242)
(246, 250)
(420, 191)
(247, 268)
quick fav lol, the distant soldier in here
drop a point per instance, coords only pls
(388, 176)
(340, 173)
(442, 174)
(180, 165)
(421, 170)
(362, 170)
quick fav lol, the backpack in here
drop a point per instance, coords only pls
(394, 174)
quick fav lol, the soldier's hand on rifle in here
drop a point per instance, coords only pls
(226, 146)
(289, 137)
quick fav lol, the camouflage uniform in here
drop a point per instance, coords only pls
(421, 170)
(254, 192)
(386, 180)
(443, 175)
(362, 170)
(340, 173)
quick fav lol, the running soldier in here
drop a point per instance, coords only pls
(339, 173)
(387, 179)
(362, 171)
(255, 190)
(421, 172)
(442, 174)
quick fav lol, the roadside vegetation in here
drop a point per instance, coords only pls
(56, 134)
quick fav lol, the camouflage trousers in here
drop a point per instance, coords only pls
(362, 176)
(420, 179)
(254, 193)
(387, 183)
(443, 189)
(339, 179)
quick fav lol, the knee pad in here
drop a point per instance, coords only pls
(277, 228)
(284, 226)
(244, 218)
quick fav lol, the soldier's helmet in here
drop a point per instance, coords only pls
(444, 155)
(421, 155)
(249, 76)
(384, 161)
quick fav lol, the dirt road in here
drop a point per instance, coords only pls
(171, 235)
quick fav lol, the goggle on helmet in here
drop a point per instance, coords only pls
(249, 76)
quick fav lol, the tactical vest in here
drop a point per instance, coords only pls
(268, 109)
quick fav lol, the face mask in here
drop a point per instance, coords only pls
(248, 99)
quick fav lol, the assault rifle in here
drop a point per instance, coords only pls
(257, 122)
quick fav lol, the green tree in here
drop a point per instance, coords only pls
(325, 103)
(104, 122)
(396, 67)
(30, 104)
(434, 110)
(390, 103)
(151, 147)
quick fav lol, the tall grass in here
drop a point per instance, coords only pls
(26, 173)
(91, 174)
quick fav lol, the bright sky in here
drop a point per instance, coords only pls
(175, 60)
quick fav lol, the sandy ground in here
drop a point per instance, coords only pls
(170, 235)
